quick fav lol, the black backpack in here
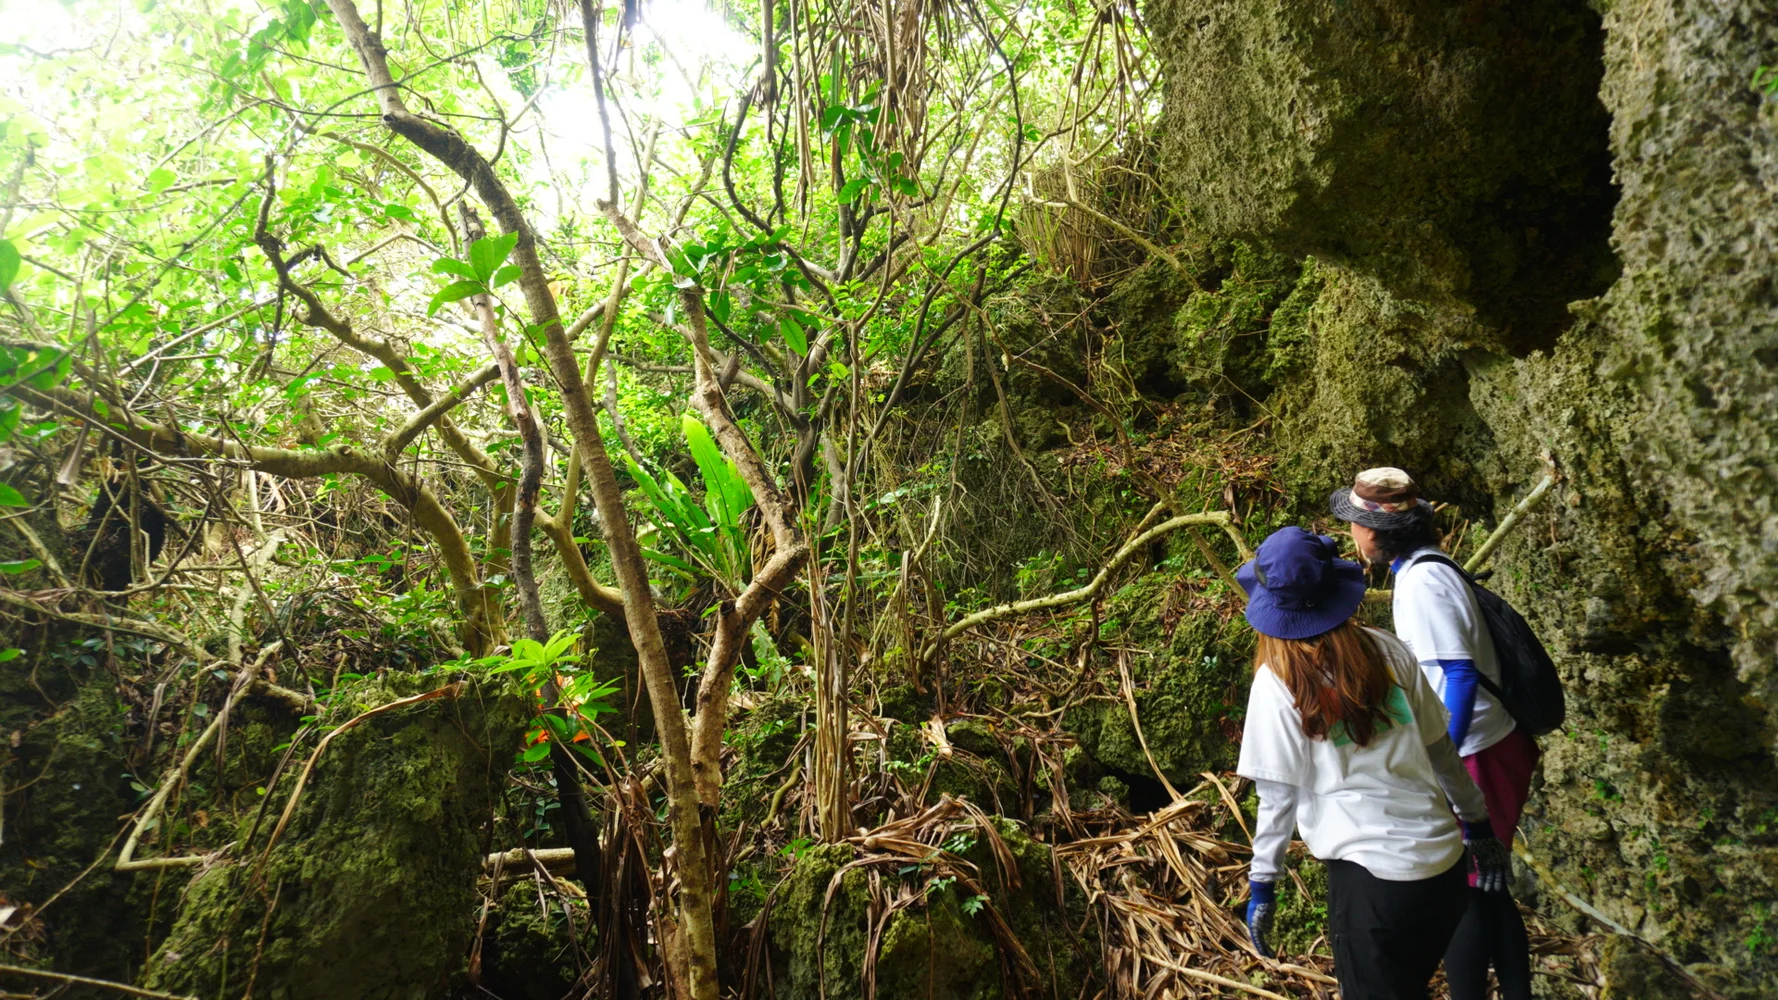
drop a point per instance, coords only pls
(1529, 686)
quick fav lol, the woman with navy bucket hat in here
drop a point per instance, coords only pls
(1346, 741)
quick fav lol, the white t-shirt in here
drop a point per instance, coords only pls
(1436, 615)
(1379, 806)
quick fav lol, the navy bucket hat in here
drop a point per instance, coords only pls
(1297, 585)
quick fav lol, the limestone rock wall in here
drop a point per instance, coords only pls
(370, 892)
(1449, 172)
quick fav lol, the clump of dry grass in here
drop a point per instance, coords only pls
(1167, 888)
(1163, 890)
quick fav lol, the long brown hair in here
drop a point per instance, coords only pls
(1339, 679)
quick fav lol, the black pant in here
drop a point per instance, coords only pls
(1388, 936)
(1492, 932)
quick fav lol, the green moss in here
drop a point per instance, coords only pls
(79, 766)
(1435, 147)
(530, 953)
(939, 952)
(1189, 690)
(904, 703)
(763, 739)
(1221, 331)
(943, 945)
(1302, 916)
(370, 891)
(819, 946)
(1289, 341)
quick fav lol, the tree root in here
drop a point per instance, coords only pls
(1220, 518)
(126, 859)
(448, 691)
(104, 984)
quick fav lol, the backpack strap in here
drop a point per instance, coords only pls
(1486, 682)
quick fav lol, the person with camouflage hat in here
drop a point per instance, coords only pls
(1438, 617)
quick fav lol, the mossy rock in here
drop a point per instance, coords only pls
(1437, 146)
(370, 892)
(905, 703)
(976, 768)
(763, 738)
(1041, 322)
(530, 951)
(1220, 334)
(79, 764)
(810, 960)
(1189, 693)
(1629, 970)
(942, 945)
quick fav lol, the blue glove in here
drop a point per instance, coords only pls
(1262, 902)
(1492, 862)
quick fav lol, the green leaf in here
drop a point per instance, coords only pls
(50, 376)
(160, 180)
(534, 753)
(655, 555)
(853, 188)
(10, 497)
(711, 465)
(17, 566)
(793, 334)
(506, 274)
(832, 116)
(451, 265)
(488, 253)
(453, 292)
(9, 263)
(10, 654)
(559, 643)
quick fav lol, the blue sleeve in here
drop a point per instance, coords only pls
(1460, 685)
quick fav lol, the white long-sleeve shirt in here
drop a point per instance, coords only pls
(1384, 805)
(1277, 809)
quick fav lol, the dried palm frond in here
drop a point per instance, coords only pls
(1167, 892)
(1163, 892)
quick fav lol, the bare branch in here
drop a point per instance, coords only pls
(481, 620)
(1085, 593)
(416, 425)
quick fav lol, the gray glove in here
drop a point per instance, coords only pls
(1490, 859)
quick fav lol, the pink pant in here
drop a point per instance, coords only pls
(1503, 773)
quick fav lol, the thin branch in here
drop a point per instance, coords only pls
(1091, 590)
(103, 984)
(126, 859)
(405, 488)
(1507, 523)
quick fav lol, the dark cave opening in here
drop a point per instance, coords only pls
(1539, 237)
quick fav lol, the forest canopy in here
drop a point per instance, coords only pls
(444, 330)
